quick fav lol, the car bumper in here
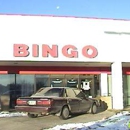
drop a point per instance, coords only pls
(34, 109)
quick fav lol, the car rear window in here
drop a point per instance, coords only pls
(54, 92)
(58, 92)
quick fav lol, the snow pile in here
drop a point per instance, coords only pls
(11, 114)
(120, 121)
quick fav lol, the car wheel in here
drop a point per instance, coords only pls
(65, 113)
(94, 109)
(32, 115)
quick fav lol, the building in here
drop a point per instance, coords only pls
(41, 51)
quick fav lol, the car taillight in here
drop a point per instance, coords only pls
(44, 102)
(21, 102)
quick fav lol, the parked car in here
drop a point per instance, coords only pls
(60, 101)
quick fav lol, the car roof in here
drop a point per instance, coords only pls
(64, 87)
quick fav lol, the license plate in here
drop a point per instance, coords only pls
(32, 102)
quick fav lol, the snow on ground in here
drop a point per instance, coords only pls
(120, 121)
(11, 114)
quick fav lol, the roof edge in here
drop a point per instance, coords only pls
(51, 15)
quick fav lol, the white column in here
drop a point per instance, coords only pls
(103, 84)
(117, 85)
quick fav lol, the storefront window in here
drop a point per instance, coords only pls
(41, 81)
(17, 85)
(89, 84)
(25, 83)
(126, 89)
(85, 81)
(7, 82)
(71, 81)
(57, 80)
(109, 79)
(7, 91)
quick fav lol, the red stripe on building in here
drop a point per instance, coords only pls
(61, 72)
(3, 72)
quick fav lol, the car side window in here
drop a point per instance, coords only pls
(70, 93)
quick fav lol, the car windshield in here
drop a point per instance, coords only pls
(58, 92)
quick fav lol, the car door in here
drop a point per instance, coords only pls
(85, 104)
(73, 101)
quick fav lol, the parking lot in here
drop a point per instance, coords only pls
(25, 123)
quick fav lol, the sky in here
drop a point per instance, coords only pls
(115, 9)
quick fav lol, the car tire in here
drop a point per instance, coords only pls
(32, 115)
(65, 113)
(94, 108)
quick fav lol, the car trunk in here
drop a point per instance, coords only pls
(34, 101)
(40, 101)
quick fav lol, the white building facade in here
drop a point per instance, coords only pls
(47, 48)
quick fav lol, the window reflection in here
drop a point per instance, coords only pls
(25, 83)
(6, 82)
(42, 81)
(16, 85)
(72, 83)
(7, 90)
(71, 80)
(57, 82)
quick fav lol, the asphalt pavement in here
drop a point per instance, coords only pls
(44, 122)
